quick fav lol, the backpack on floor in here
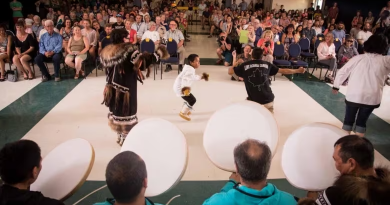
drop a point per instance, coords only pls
(11, 75)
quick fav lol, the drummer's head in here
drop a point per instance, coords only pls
(353, 155)
(126, 177)
(20, 163)
(257, 54)
(253, 161)
(194, 60)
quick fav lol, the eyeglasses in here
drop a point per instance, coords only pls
(172, 24)
(350, 41)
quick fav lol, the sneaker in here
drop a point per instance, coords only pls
(57, 79)
(210, 36)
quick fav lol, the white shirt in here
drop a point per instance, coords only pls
(112, 20)
(201, 8)
(152, 35)
(140, 28)
(363, 35)
(367, 74)
(318, 30)
(185, 79)
(324, 50)
(43, 31)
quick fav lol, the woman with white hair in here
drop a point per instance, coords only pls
(152, 34)
(326, 53)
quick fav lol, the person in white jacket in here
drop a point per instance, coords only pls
(183, 82)
(367, 73)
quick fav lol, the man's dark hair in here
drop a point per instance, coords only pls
(125, 175)
(253, 160)
(118, 35)
(191, 58)
(257, 53)
(376, 44)
(17, 161)
(358, 148)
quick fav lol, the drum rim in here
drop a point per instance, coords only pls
(86, 174)
(288, 138)
(251, 103)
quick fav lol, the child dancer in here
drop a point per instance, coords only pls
(182, 86)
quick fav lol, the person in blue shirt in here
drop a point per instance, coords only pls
(249, 185)
(50, 47)
(339, 32)
(126, 178)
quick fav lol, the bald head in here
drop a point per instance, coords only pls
(253, 160)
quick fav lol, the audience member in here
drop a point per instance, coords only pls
(249, 184)
(20, 164)
(225, 50)
(326, 53)
(360, 182)
(77, 49)
(50, 47)
(126, 178)
(176, 35)
(267, 44)
(339, 32)
(25, 47)
(5, 50)
(152, 34)
(92, 37)
(105, 39)
(347, 51)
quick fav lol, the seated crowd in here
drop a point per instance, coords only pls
(126, 177)
(237, 28)
(82, 33)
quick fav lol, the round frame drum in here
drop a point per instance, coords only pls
(65, 169)
(234, 124)
(307, 158)
(164, 149)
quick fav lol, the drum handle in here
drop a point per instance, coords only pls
(90, 194)
(170, 200)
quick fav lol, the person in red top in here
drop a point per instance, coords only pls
(267, 44)
(333, 12)
(132, 32)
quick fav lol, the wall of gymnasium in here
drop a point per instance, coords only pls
(291, 4)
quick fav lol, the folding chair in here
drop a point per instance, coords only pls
(337, 44)
(279, 53)
(294, 51)
(305, 49)
(174, 55)
(319, 64)
(148, 46)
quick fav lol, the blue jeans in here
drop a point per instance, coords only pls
(358, 116)
(56, 58)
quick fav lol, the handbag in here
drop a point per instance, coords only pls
(12, 75)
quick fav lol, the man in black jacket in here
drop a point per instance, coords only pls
(20, 164)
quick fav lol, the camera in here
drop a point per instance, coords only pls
(266, 44)
(222, 38)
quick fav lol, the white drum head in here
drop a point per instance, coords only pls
(163, 147)
(234, 124)
(307, 158)
(65, 169)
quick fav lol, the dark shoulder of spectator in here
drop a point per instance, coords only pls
(12, 195)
